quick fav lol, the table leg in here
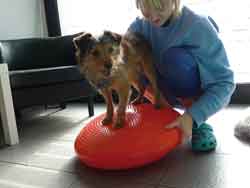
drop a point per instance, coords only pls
(6, 108)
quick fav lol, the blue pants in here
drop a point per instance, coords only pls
(178, 76)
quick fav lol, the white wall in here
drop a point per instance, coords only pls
(22, 19)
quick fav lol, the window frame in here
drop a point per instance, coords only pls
(240, 96)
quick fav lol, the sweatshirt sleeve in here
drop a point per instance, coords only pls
(217, 80)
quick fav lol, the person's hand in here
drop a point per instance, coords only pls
(185, 123)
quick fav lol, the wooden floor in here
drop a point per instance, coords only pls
(45, 158)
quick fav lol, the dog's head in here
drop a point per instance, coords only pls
(110, 40)
(94, 56)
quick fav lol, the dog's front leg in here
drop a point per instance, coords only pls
(123, 95)
(106, 93)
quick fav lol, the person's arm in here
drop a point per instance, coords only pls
(217, 79)
(214, 99)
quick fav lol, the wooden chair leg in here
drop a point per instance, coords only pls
(91, 105)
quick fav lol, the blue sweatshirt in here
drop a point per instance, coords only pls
(197, 32)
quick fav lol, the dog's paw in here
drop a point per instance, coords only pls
(138, 100)
(118, 124)
(106, 121)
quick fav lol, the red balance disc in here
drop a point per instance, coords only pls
(142, 140)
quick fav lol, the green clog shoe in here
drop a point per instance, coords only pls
(203, 138)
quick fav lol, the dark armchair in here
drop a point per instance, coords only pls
(43, 71)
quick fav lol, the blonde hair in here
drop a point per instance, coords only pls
(157, 4)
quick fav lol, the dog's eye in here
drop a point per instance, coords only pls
(96, 53)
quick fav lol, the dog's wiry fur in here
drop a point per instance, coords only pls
(115, 62)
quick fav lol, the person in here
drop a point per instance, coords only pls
(192, 67)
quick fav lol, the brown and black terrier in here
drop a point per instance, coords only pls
(114, 62)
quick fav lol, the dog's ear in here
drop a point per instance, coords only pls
(82, 40)
(115, 37)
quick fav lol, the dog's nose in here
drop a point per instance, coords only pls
(108, 65)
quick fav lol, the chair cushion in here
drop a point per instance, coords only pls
(34, 53)
(45, 76)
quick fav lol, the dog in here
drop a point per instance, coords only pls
(112, 62)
